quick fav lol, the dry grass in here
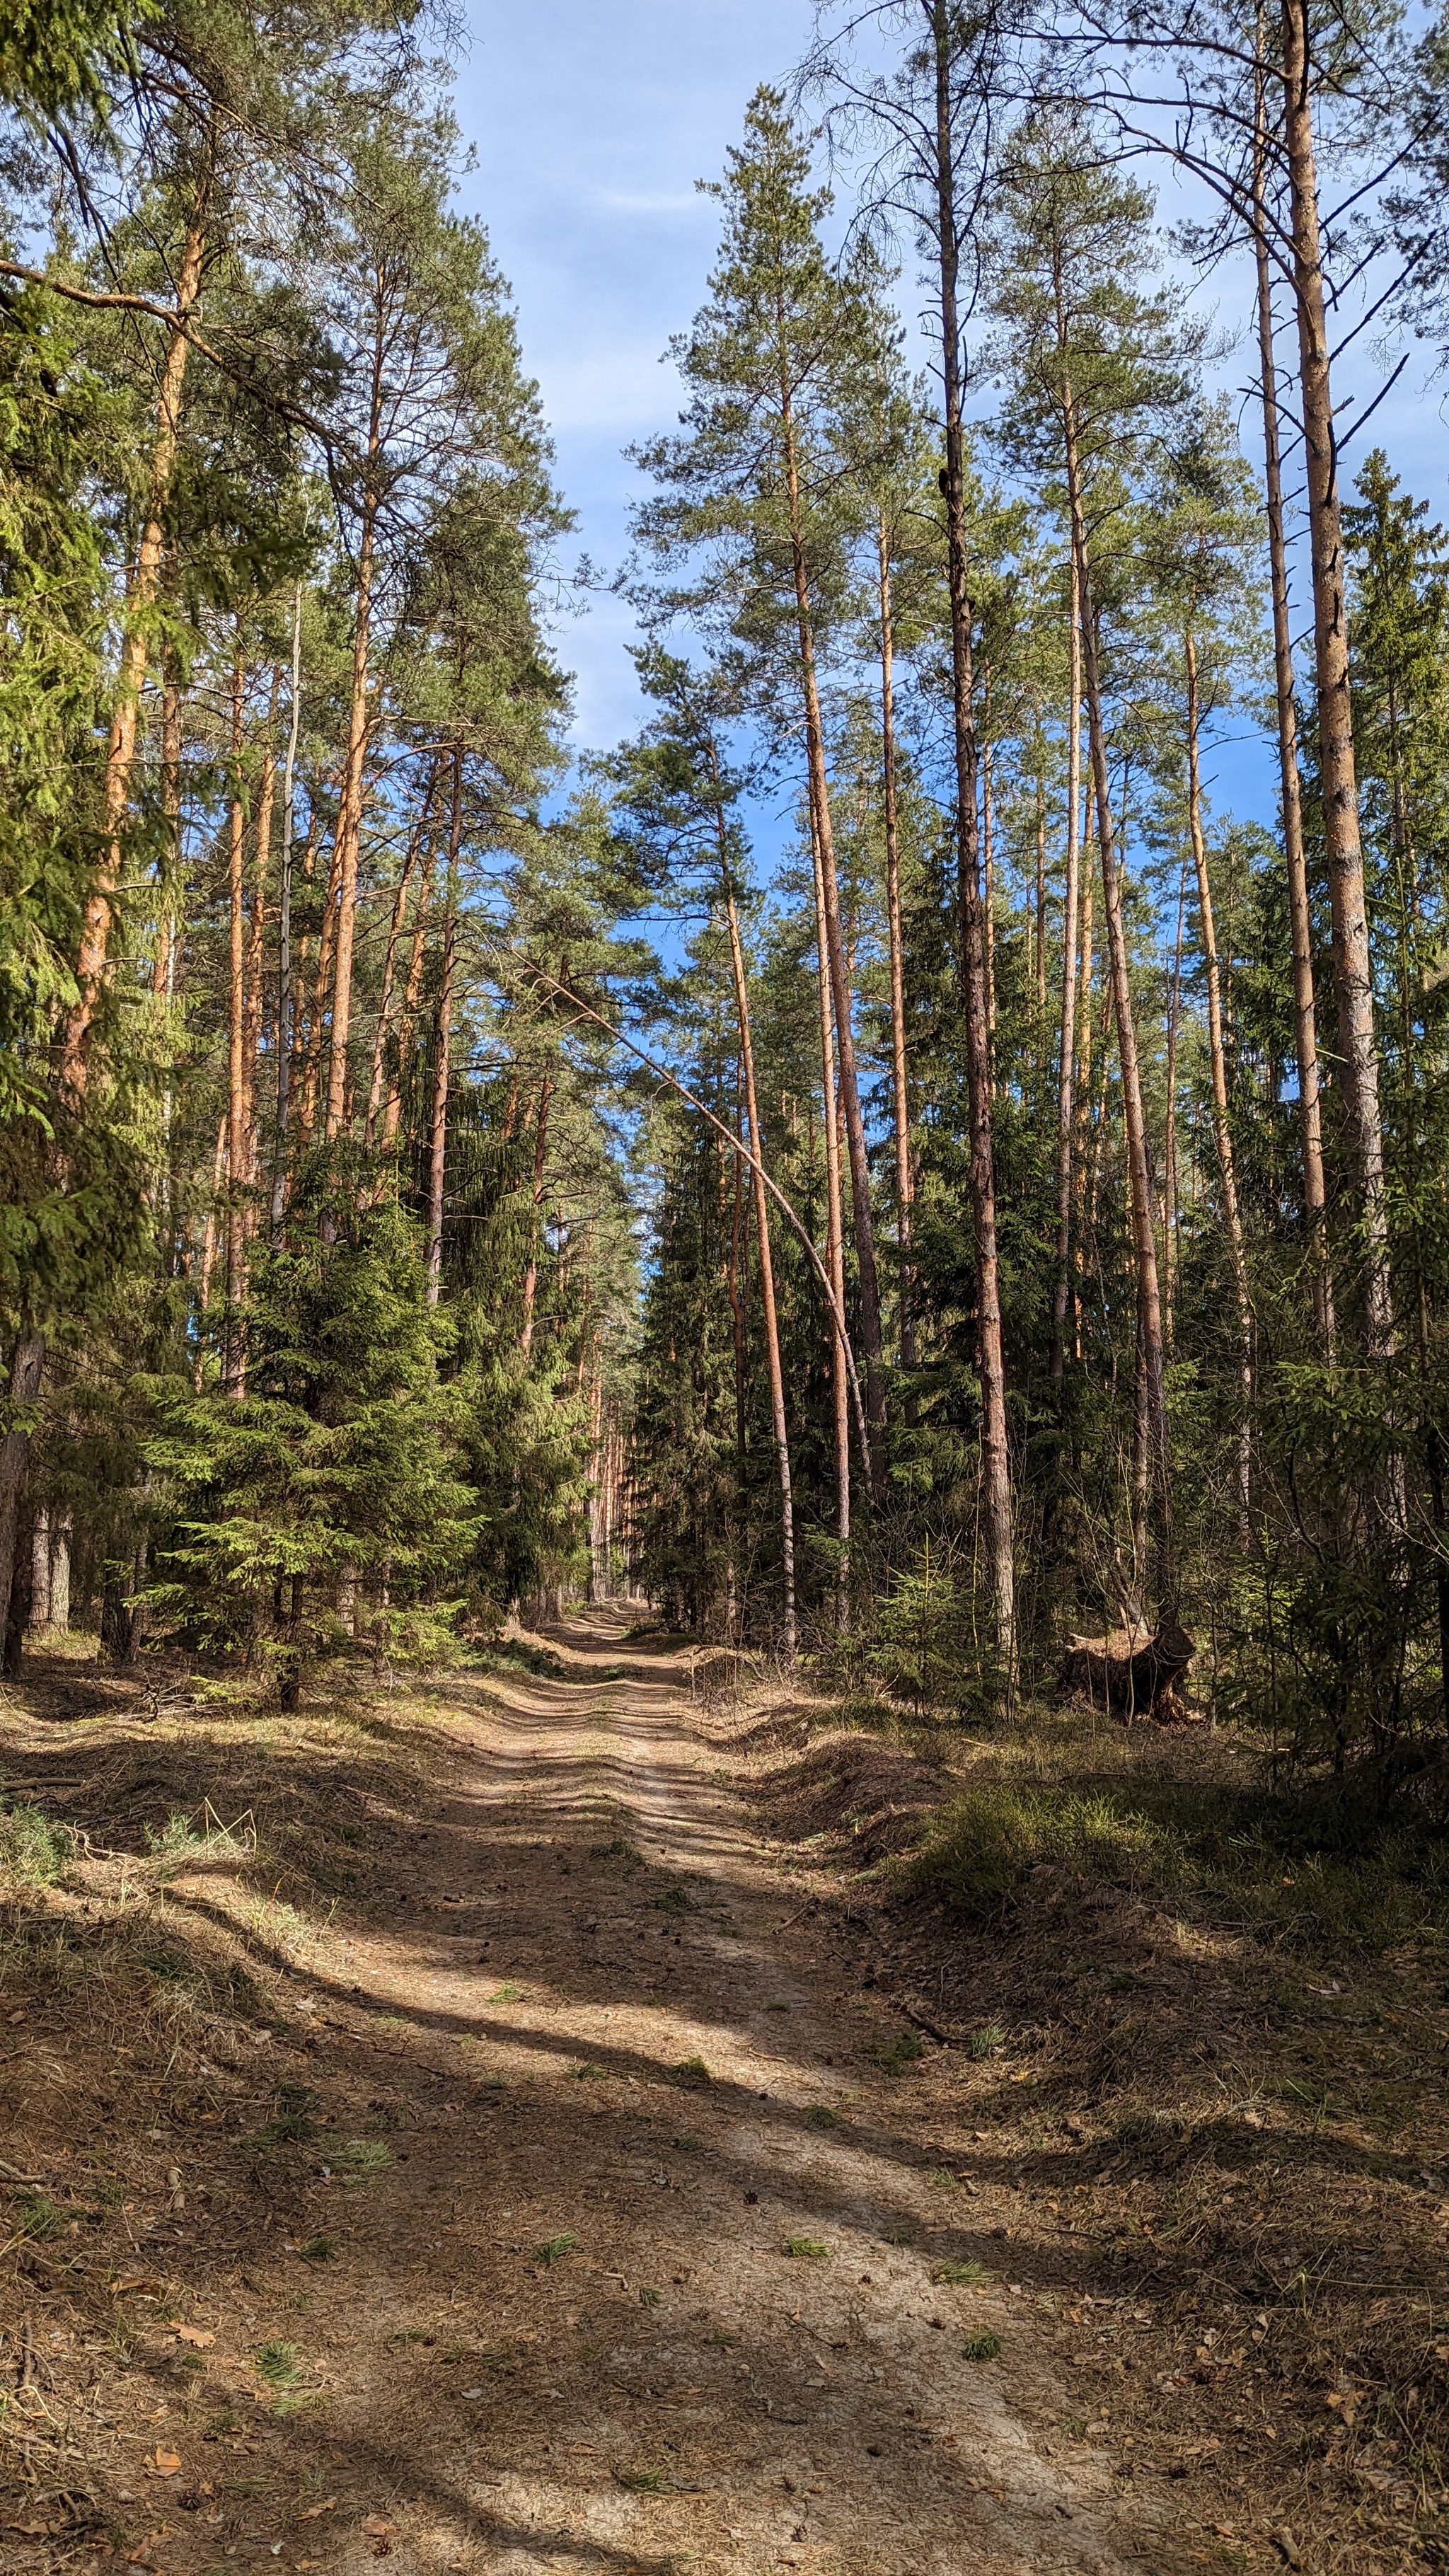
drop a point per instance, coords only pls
(1195, 2060)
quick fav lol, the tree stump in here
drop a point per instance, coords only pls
(1131, 1671)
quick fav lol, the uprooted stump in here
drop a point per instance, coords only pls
(1131, 1671)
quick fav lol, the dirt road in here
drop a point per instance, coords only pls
(573, 2204)
(572, 2327)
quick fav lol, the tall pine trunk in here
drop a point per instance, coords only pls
(995, 1454)
(284, 932)
(389, 964)
(1152, 1445)
(1070, 924)
(1343, 848)
(1218, 1066)
(834, 961)
(349, 811)
(768, 1310)
(1305, 1006)
(900, 1097)
(438, 1136)
(834, 1246)
(540, 1165)
(135, 651)
(234, 1368)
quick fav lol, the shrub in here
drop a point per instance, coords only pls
(982, 1848)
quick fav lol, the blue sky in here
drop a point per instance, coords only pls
(590, 121)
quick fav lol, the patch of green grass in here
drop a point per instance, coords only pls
(278, 2363)
(554, 2251)
(216, 2426)
(959, 2276)
(779, 2008)
(360, 2162)
(292, 2118)
(987, 2042)
(36, 2214)
(894, 2055)
(640, 2481)
(506, 1995)
(807, 2249)
(820, 2116)
(618, 1849)
(649, 2298)
(941, 2180)
(588, 2073)
(687, 2143)
(32, 1849)
(318, 2249)
(691, 2071)
(981, 1849)
(981, 2347)
(675, 1900)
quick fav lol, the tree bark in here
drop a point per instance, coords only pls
(540, 1153)
(1343, 849)
(1070, 914)
(1139, 1173)
(389, 963)
(135, 651)
(900, 1097)
(349, 811)
(163, 975)
(1218, 1065)
(252, 1034)
(27, 1367)
(1305, 1007)
(234, 1367)
(769, 1314)
(834, 958)
(995, 1454)
(438, 1141)
(284, 932)
(834, 1246)
(411, 989)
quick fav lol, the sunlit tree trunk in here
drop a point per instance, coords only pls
(349, 811)
(1218, 1067)
(540, 1158)
(995, 1455)
(1139, 1173)
(833, 961)
(1305, 1007)
(1071, 905)
(389, 963)
(135, 649)
(438, 1134)
(768, 1310)
(1343, 849)
(284, 931)
(900, 1097)
(408, 1014)
(834, 1250)
(252, 1020)
(234, 1367)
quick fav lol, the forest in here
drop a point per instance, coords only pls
(724, 1555)
(885, 1162)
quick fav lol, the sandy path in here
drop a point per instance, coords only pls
(673, 2390)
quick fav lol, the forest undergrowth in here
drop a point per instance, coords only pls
(1203, 2029)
